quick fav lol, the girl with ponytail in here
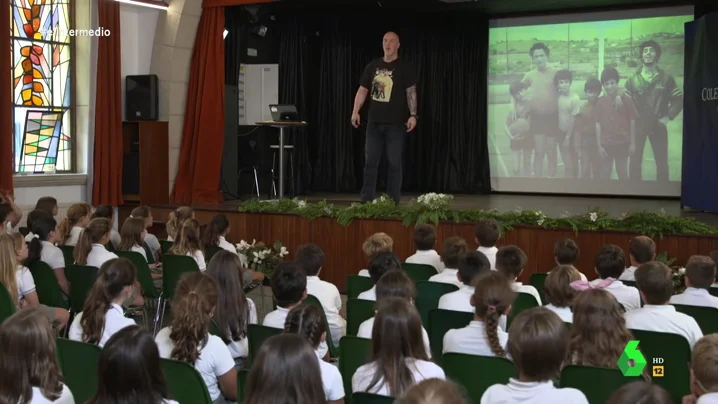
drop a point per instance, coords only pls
(145, 213)
(90, 249)
(102, 315)
(188, 338)
(108, 212)
(217, 231)
(177, 217)
(493, 297)
(42, 248)
(189, 243)
(78, 216)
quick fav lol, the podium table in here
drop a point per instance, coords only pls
(282, 125)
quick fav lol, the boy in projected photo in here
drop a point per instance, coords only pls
(569, 105)
(517, 129)
(584, 132)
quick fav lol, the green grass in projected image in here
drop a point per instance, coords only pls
(575, 47)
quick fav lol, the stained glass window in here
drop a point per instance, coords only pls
(41, 71)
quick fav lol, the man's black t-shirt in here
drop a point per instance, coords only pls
(387, 84)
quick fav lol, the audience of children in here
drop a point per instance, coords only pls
(609, 265)
(77, 218)
(510, 261)
(700, 276)
(454, 248)
(492, 299)
(558, 290)
(108, 212)
(424, 237)
(471, 265)
(566, 252)
(376, 243)
(641, 249)
(486, 236)
(90, 249)
(188, 243)
(704, 372)
(380, 264)
(176, 219)
(42, 248)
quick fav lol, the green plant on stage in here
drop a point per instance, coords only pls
(679, 277)
(261, 258)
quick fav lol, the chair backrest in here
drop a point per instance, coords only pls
(184, 382)
(537, 281)
(357, 284)
(68, 253)
(477, 373)
(110, 247)
(366, 398)
(78, 361)
(173, 268)
(81, 278)
(241, 384)
(675, 352)
(256, 335)
(419, 272)
(144, 275)
(597, 384)
(353, 353)
(441, 321)
(333, 350)
(706, 317)
(358, 311)
(428, 295)
(46, 285)
(7, 306)
(524, 301)
(165, 246)
(713, 291)
(211, 251)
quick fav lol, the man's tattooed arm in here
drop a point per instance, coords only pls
(412, 100)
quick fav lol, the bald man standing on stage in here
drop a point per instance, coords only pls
(391, 83)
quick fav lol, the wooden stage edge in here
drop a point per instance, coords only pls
(344, 256)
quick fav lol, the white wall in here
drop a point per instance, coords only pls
(137, 25)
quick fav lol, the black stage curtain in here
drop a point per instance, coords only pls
(232, 44)
(322, 54)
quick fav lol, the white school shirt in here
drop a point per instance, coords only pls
(708, 398)
(366, 328)
(170, 238)
(564, 313)
(629, 274)
(328, 295)
(490, 253)
(664, 318)
(695, 297)
(214, 359)
(420, 370)
(138, 249)
(99, 255)
(519, 287)
(240, 349)
(628, 296)
(65, 397)
(331, 380)
(152, 242)
(226, 245)
(364, 273)
(472, 340)
(368, 294)
(115, 321)
(115, 238)
(52, 255)
(277, 318)
(75, 233)
(427, 257)
(25, 282)
(448, 276)
(199, 259)
(459, 300)
(531, 392)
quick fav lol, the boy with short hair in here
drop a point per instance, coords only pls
(381, 264)
(700, 274)
(375, 244)
(486, 235)
(471, 265)
(655, 282)
(584, 132)
(311, 258)
(424, 240)
(641, 249)
(517, 130)
(565, 252)
(704, 371)
(609, 264)
(454, 248)
(510, 261)
(569, 105)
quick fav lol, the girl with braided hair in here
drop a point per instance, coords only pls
(493, 297)
(307, 321)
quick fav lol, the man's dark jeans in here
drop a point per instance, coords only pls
(378, 137)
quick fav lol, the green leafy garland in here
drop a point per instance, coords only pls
(433, 208)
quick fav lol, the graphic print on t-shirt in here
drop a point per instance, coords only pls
(382, 85)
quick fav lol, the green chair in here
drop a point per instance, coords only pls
(597, 384)
(46, 285)
(675, 352)
(210, 252)
(7, 306)
(23, 230)
(477, 373)
(357, 284)
(78, 361)
(256, 335)
(537, 281)
(110, 247)
(358, 311)
(629, 283)
(441, 321)
(173, 268)
(165, 246)
(428, 295)
(68, 253)
(184, 382)
(353, 353)
(366, 398)
(524, 301)
(419, 272)
(81, 278)
(713, 291)
(706, 317)
(241, 384)
(333, 350)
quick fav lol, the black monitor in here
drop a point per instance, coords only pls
(284, 113)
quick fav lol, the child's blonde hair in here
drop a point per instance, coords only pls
(377, 243)
(557, 286)
(188, 240)
(96, 230)
(704, 363)
(74, 214)
(177, 217)
(9, 244)
(433, 391)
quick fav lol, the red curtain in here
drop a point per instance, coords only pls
(6, 88)
(107, 163)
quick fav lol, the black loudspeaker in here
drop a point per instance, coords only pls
(141, 98)
(230, 167)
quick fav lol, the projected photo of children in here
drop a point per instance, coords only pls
(584, 100)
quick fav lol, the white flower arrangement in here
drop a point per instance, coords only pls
(260, 257)
(435, 201)
(593, 216)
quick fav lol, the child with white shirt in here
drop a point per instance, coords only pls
(510, 261)
(609, 265)
(492, 299)
(558, 290)
(566, 252)
(471, 265)
(306, 320)
(537, 344)
(90, 249)
(704, 371)
(188, 338)
(129, 370)
(132, 237)
(176, 219)
(379, 265)
(399, 358)
(42, 248)
(486, 236)
(641, 249)
(188, 243)
(77, 218)
(641, 392)
(311, 258)
(700, 274)
(216, 234)
(655, 282)
(454, 248)
(102, 315)
(29, 370)
(424, 237)
(376, 243)
(151, 241)
(108, 212)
